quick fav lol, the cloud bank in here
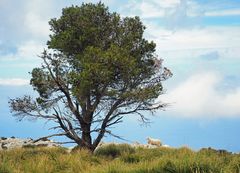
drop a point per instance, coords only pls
(199, 96)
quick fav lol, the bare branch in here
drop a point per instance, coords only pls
(69, 142)
(116, 136)
(118, 120)
(46, 137)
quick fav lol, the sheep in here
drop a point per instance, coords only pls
(155, 142)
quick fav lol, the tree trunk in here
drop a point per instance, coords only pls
(86, 137)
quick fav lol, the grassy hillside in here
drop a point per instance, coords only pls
(118, 159)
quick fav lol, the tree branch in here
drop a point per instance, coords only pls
(66, 93)
(105, 121)
(46, 137)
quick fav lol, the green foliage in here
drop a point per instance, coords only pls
(101, 50)
(41, 81)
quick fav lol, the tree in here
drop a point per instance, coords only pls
(97, 69)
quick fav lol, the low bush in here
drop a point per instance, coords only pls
(114, 150)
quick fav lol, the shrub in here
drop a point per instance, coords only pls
(114, 150)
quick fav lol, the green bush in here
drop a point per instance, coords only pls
(114, 150)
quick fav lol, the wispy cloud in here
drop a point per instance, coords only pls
(29, 49)
(28, 21)
(229, 12)
(14, 82)
(197, 38)
(24, 58)
(177, 14)
(152, 8)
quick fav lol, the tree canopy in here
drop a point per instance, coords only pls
(98, 68)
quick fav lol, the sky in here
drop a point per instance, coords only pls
(199, 41)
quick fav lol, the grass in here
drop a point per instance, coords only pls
(118, 159)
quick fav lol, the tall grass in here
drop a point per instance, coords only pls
(117, 159)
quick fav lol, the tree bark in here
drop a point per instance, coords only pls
(86, 137)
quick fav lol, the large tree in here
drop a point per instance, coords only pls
(97, 69)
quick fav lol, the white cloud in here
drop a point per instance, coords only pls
(28, 19)
(174, 12)
(26, 51)
(199, 96)
(20, 62)
(155, 8)
(229, 12)
(14, 82)
(149, 10)
(178, 14)
(177, 8)
(29, 49)
(196, 38)
(36, 25)
(166, 3)
(36, 17)
(186, 14)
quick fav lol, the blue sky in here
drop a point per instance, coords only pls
(198, 40)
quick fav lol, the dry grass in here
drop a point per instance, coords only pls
(118, 159)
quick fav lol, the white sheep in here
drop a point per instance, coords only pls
(152, 141)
